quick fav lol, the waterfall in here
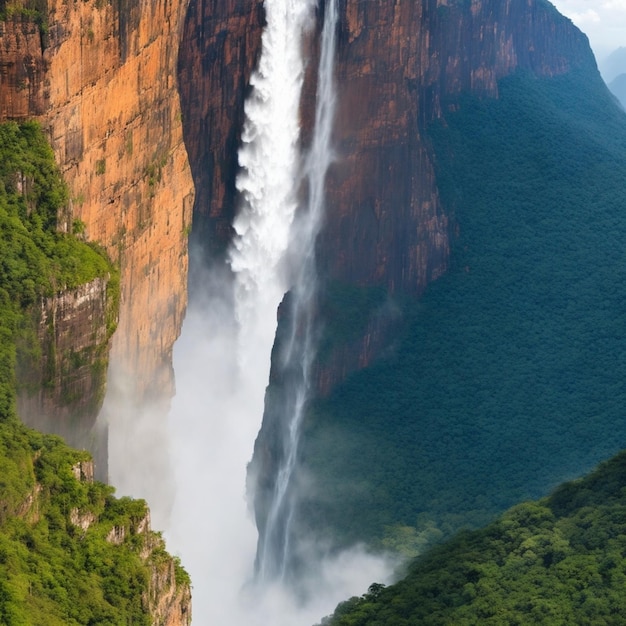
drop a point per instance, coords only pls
(222, 360)
(269, 160)
(298, 349)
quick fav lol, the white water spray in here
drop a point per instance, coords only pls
(269, 159)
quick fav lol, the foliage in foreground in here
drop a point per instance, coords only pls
(557, 561)
(62, 563)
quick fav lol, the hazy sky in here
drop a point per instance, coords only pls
(603, 21)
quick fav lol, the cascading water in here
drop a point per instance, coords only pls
(298, 350)
(222, 359)
(269, 159)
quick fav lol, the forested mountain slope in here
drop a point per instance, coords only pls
(70, 553)
(506, 377)
(558, 561)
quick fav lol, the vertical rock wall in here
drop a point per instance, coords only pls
(219, 49)
(101, 78)
(67, 379)
(398, 63)
(115, 123)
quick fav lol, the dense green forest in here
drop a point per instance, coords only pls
(62, 562)
(506, 378)
(558, 561)
(58, 563)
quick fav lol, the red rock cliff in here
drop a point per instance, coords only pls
(397, 64)
(220, 45)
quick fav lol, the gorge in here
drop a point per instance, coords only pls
(418, 205)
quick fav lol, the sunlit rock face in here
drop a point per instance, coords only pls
(102, 80)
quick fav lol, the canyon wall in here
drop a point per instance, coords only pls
(101, 78)
(398, 65)
(63, 379)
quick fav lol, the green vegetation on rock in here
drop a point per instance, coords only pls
(32, 10)
(70, 553)
(508, 377)
(36, 261)
(559, 561)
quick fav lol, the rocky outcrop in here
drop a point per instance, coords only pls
(169, 599)
(101, 77)
(67, 380)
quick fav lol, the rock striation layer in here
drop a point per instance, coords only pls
(68, 379)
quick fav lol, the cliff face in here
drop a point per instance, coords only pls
(115, 125)
(219, 48)
(397, 65)
(67, 380)
(102, 80)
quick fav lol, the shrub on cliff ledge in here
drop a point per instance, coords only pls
(70, 553)
(35, 260)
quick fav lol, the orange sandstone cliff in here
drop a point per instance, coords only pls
(101, 78)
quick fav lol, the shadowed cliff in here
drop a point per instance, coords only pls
(449, 153)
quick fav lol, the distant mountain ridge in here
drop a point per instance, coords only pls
(618, 88)
(613, 65)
